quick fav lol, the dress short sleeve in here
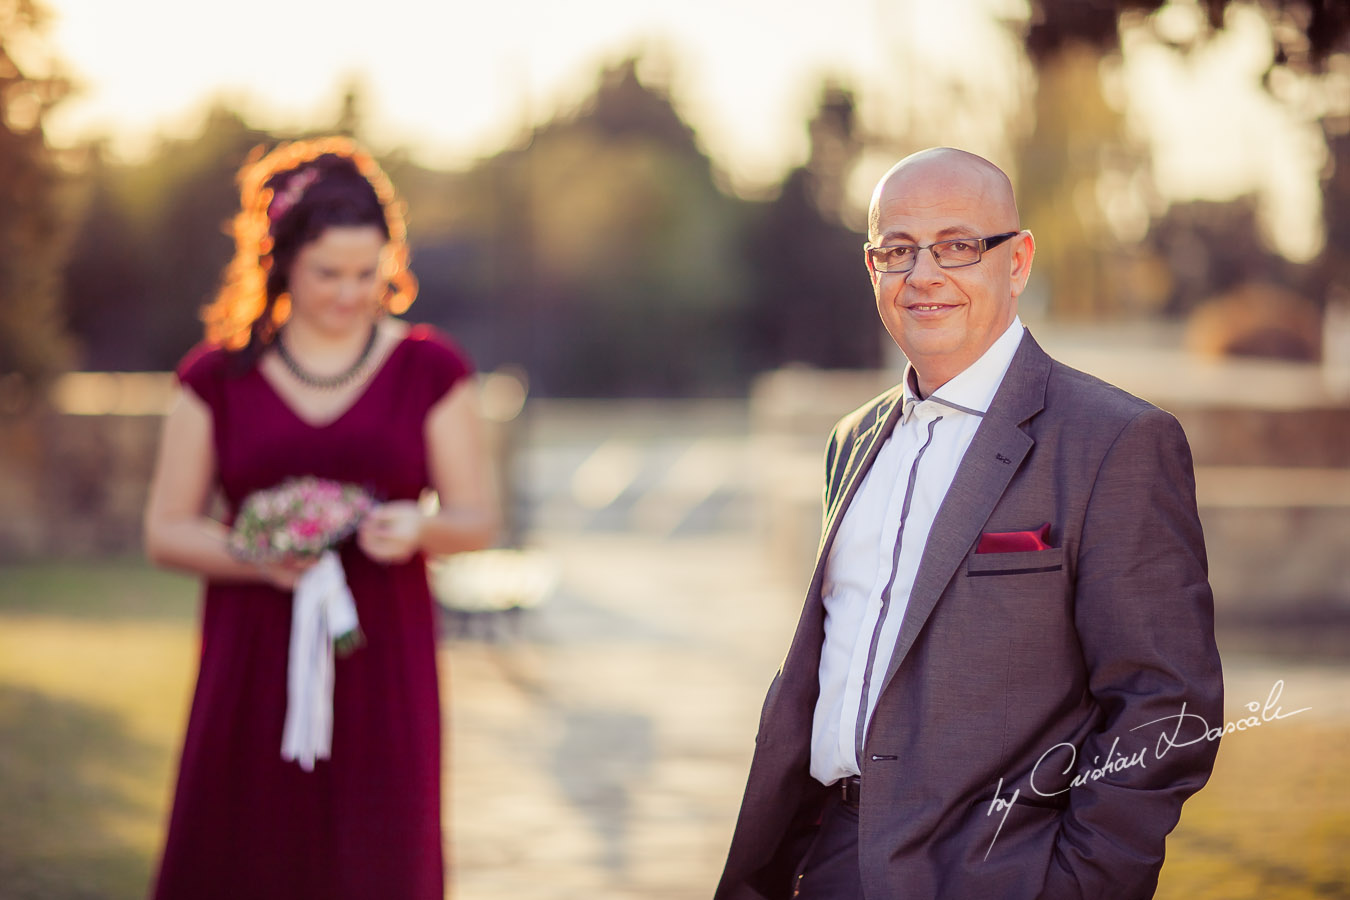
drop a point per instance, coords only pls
(442, 362)
(203, 370)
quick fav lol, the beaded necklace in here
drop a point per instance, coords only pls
(326, 382)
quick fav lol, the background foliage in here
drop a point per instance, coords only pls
(603, 253)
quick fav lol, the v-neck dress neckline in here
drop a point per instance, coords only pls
(346, 410)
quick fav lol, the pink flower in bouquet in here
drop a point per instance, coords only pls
(307, 529)
(299, 517)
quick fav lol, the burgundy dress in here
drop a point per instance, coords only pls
(367, 822)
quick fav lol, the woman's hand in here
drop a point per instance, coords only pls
(285, 573)
(392, 532)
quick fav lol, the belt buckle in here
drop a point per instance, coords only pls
(850, 790)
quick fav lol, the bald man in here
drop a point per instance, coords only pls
(1004, 676)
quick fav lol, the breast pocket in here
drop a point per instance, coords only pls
(1025, 562)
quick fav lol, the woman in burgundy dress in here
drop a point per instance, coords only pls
(305, 372)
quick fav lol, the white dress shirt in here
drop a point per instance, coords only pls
(876, 552)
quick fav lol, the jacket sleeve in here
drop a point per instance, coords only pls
(1144, 613)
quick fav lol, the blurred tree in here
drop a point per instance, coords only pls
(108, 279)
(1334, 264)
(32, 341)
(636, 276)
(448, 215)
(1058, 26)
(1310, 33)
(599, 253)
(624, 107)
(810, 296)
(835, 147)
(1077, 148)
(152, 244)
(188, 244)
(1309, 69)
(1077, 137)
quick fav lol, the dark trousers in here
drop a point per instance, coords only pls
(829, 870)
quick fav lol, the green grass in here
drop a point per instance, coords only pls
(125, 589)
(96, 660)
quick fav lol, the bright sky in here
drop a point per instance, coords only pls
(453, 81)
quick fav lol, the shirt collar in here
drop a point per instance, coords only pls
(973, 389)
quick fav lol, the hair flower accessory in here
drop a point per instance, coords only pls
(291, 194)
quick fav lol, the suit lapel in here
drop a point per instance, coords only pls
(995, 453)
(863, 452)
(802, 663)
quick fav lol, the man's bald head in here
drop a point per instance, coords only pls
(950, 171)
(945, 317)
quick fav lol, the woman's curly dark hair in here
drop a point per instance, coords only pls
(288, 198)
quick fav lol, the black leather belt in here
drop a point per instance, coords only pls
(850, 790)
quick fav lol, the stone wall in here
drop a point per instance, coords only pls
(74, 476)
(74, 485)
(1271, 450)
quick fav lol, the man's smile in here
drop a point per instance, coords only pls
(929, 308)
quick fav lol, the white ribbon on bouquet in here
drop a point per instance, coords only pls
(322, 609)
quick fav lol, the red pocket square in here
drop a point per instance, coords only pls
(1014, 541)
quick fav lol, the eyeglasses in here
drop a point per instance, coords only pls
(952, 254)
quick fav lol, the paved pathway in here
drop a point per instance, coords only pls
(600, 752)
(599, 747)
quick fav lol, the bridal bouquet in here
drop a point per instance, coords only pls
(299, 517)
(307, 518)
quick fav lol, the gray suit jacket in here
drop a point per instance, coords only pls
(1010, 664)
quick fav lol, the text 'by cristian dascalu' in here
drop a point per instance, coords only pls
(1171, 737)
